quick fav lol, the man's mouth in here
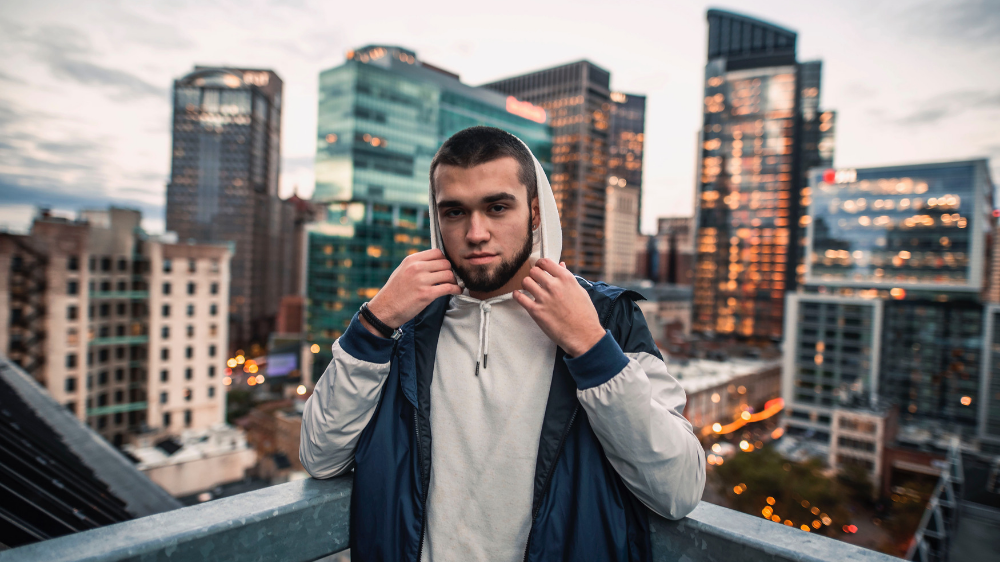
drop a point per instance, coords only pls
(480, 258)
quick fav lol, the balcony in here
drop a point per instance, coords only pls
(308, 519)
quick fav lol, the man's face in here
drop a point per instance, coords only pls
(486, 221)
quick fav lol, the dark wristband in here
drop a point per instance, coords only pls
(379, 325)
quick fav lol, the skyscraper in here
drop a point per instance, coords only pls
(383, 114)
(762, 130)
(623, 210)
(224, 184)
(891, 312)
(578, 99)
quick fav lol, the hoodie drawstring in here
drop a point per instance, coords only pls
(485, 308)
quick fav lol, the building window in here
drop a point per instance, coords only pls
(190, 331)
(102, 422)
(187, 394)
(70, 384)
(119, 397)
(120, 331)
(211, 351)
(119, 375)
(71, 361)
(211, 392)
(191, 288)
(189, 352)
(122, 264)
(93, 263)
(121, 286)
(187, 418)
(166, 288)
(165, 310)
(72, 312)
(122, 309)
(213, 310)
(102, 378)
(164, 375)
(215, 265)
(71, 406)
(212, 330)
(105, 264)
(192, 266)
(165, 332)
(214, 288)
(104, 332)
(165, 354)
(72, 288)
(168, 265)
(190, 310)
(105, 286)
(104, 310)
(188, 373)
(166, 419)
(73, 263)
(163, 398)
(211, 371)
(102, 399)
(103, 356)
(119, 418)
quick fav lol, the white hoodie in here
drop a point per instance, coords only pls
(486, 425)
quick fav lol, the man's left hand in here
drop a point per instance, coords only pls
(561, 307)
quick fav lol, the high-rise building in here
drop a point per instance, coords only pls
(891, 312)
(127, 331)
(383, 114)
(224, 186)
(623, 207)
(577, 97)
(762, 130)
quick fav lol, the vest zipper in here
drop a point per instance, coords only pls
(548, 478)
(423, 517)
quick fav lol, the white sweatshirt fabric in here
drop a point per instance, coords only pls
(490, 385)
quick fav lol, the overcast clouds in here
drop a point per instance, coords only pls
(84, 86)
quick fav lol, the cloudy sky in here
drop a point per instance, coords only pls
(85, 86)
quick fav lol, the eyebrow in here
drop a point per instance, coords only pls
(496, 197)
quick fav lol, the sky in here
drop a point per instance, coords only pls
(85, 86)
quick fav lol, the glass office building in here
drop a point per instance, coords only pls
(892, 310)
(383, 114)
(762, 129)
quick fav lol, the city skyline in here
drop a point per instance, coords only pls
(904, 82)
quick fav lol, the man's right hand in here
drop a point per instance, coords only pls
(418, 281)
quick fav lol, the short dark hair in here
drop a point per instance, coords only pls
(479, 145)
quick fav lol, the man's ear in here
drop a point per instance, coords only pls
(536, 216)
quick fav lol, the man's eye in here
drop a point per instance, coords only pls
(451, 213)
(498, 208)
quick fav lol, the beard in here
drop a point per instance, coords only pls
(484, 279)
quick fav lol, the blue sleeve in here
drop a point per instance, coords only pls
(599, 364)
(364, 345)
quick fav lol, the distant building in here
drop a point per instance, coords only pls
(667, 310)
(762, 130)
(891, 311)
(720, 391)
(223, 188)
(859, 437)
(127, 331)
(383, 114)
(60, 477)
(623, 208)
(195, 461)
(577, 97)
(668, 256)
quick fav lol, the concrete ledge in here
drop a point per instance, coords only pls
(305, 520)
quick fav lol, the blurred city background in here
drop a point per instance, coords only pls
(196, 198)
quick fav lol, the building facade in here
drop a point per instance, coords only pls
(111, 317)
(762, 130)
(892, 312)
(383, 114)
(577, 97)
(223, 188)
(623, 210)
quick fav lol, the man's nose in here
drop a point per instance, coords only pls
(478, 231)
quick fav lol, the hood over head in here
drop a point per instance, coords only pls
(546, 239)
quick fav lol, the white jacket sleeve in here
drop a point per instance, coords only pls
(636, 410)
(343, 401)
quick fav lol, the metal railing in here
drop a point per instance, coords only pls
(308, 519)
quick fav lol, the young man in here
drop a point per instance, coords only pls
(493, 405)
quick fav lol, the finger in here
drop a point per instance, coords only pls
(562, 263)
(552, 269)
(524, 300)
(446, 289)
(428, 255)
(438, 277)
(540, 277)
(436, 265)
(533, 287)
